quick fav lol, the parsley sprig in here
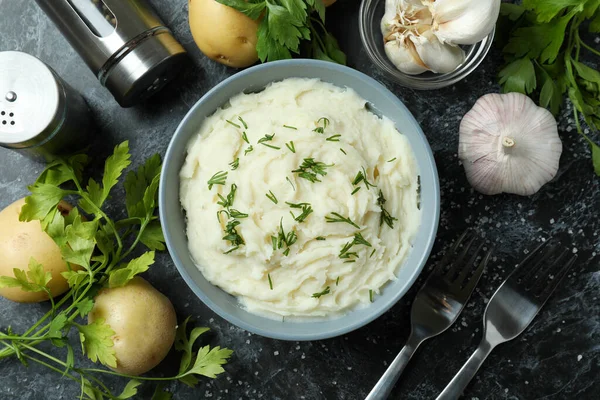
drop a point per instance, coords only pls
(286, 24)
(103, 248)
(543, 46)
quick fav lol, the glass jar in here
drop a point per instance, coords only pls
(370, 15)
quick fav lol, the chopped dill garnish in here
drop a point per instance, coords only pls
(232, 235)
(342, 150)
(245, 137)
(345, 253)
(321, 238)
(268, 138)
(235, 163)
(271, 197)
(338, 218)
(248, 150)
(228, 202)
(337, 281)
(327, 290)
(309, 169)
(385, 215)
(393, 159)
(306, 210)
(270, 281)
(361, 176)
(359, 239)
(373, 252)
(288, 179)
(243, 122)
(284, 239)
(274, 242)
(290, 127)
(233, 123)
(334, 138)
(237, 214)
(371, 296)
(355, 190)
(217, 179)
(321, 129)
(291, 146)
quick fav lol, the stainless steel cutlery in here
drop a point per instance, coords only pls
(514, 305)
(438, 303)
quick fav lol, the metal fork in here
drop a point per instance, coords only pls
(438, 303)
(514, 305)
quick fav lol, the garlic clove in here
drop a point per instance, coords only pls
(404, 56)
(463, 21)
(437, 56)
(508, 144)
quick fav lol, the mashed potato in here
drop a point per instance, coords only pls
(296, 227)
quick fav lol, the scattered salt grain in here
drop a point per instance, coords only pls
(579, 357)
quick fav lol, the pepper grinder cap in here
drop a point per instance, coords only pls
(31, 105)
(143, 67)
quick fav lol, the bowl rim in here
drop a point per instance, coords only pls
(179, 263)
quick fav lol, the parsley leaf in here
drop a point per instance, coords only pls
(97, 343)
(547, 9)
(137, 184)
(130, 390)
(44, 197)
(251, 9)
(121, 276)
(153, 237)
(34, 280)
(518, 76)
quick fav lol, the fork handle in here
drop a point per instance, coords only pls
(386, 383)
(460, 381)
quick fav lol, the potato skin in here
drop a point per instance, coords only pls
(144, 323)
(19, 241)
(223, 33)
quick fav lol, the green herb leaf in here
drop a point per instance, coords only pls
(136, 184)
(43, 199)
(84, 306)
(248, 150)
(338, 218)
(546, 10)
(309, 169)
(233, 123)
(334, 138)
(325, 291)
(217, 179)
(271, 197)
(270, 281)
(113, 168)
(130, 390)
(385, 215)
(290, 146)
(185, 344)
(81, 242)
(290, 127)
(359, 239)
(518, 76)
(512, 11)
(283, 26)
(208, 361)
(153, 237)
(58, 323)
(251, 9)
(596, 157)
(75, 278)
(160, 394)
(228, 202)
(97, 343)
(235, 163)
(120, 277)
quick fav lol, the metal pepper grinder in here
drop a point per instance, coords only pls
(123, 42)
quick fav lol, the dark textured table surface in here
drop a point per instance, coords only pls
(558, 357)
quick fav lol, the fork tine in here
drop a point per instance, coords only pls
(439, 269)
(468, 267)
(456, 264)
(520, 271)
(537, 281)
(474, 279)
(551, 284)
(548, 254)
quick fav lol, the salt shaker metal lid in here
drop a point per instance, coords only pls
(31, 105)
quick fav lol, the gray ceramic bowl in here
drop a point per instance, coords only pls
(382, 102)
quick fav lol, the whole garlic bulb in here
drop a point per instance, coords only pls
(508, 144)
(411, 45)
(463, 21)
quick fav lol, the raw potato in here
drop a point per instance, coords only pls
(19, 241)
(144, 322)
(223, 34)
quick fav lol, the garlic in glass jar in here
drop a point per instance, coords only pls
(423, 35)
(509, 145)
